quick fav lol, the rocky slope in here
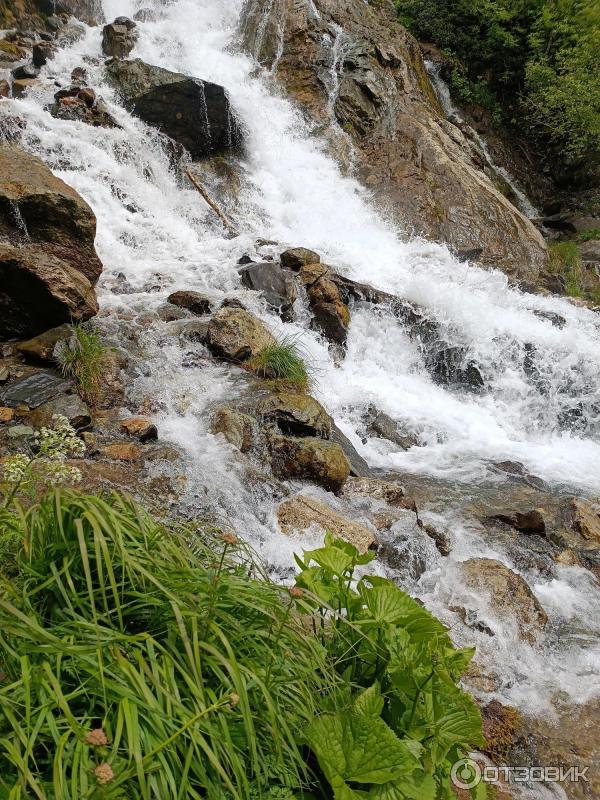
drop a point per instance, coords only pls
(360, 76)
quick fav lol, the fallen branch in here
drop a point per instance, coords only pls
(230, 227)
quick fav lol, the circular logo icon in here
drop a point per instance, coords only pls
(466, 773)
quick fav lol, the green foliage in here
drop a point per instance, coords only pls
(82, 357)
(404, 722)
(537, 58)
(198, 673)
(283, 362)
(152, 662)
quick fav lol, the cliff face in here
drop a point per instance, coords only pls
(360, 76)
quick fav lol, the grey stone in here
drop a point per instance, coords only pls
(276, 285)
(35, 389)
(20, 431)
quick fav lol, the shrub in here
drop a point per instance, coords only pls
(82, 357)
(153, 662)
(283, 362)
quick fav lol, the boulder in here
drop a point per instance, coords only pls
(316, 460)
(330, 313)
(383, 119)
(41, 348)
(358, 466)
(237, 335)
(121, 451)
(301, 513)
(237, 428)
(42, 52)
(297, 257)
(20, 86)
(26, 71)
(192, 330)
(296, 415)
(510, 596)
(275, 284)
(35, 389)
(119, 38)
(193, 301)
(36, 203)
(581, 519)
(70, 406)
(527, 522)
(192, 112)
(39, 291)
(4, 88)
(140, 428)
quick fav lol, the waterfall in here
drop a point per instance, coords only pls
(540, 404)
(442, 91)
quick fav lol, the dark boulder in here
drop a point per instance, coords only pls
(80, 103)
(275, 284)
(26, 71)
(42, 52)
(298, 257)
(195, 302)
(190, 111)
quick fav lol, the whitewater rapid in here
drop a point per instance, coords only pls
(158, 236)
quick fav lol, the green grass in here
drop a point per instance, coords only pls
(82, 357)
(153, 662)
(588, 236)
(565, 260)
(283, 362)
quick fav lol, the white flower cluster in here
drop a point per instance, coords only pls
(48, 463)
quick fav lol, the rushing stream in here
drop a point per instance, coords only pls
(540, 405)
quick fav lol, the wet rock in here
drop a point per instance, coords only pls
(39, 291)
(232, 302)
(331, 315)
(35, 389)
(42, 52)
(80, 103)
(69, 34)
(121, 451)
(510, 596)
(518, 473)
(27, 71)
(70, 406)
(170, 313)
(6, 415)
(112, 389)
(4, 88)
(119, 38)
(441, 539)
(140, 428)
(358, 466)
(20, 86)
(194, 301)
(386, 491)
(297, 257)
(21, 432)
(301, 513)
(192, 112)
(526, 522)
(49, 263)
(238, 429)
(384, 427)
(296, 415)
(309, 274)
(88, 11)
(275, 284)
(237, 335)
(146, 15)
(417, 164)
(500, 725)
(315, 460)
(192, 330)
(581, 518)
(41, 348)
(449, 365)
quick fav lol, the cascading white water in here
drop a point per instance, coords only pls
(442, 91)
(161, 238)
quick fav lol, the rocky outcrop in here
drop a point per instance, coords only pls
(48, 264)
(237, 335)
(301, 513)
(192, 112)
(360, 76)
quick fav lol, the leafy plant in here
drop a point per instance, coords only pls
(283, 362)
(403, 723)
(82, 357)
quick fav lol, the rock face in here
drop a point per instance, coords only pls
(191, 111)
(237, 335)
(419, 166)
(48, 264)
(314, 460)
(510, 596)
(303, 512)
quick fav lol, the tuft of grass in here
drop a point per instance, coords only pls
(588, 236)
(565, 260)
(82, 357)
(283, 362)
